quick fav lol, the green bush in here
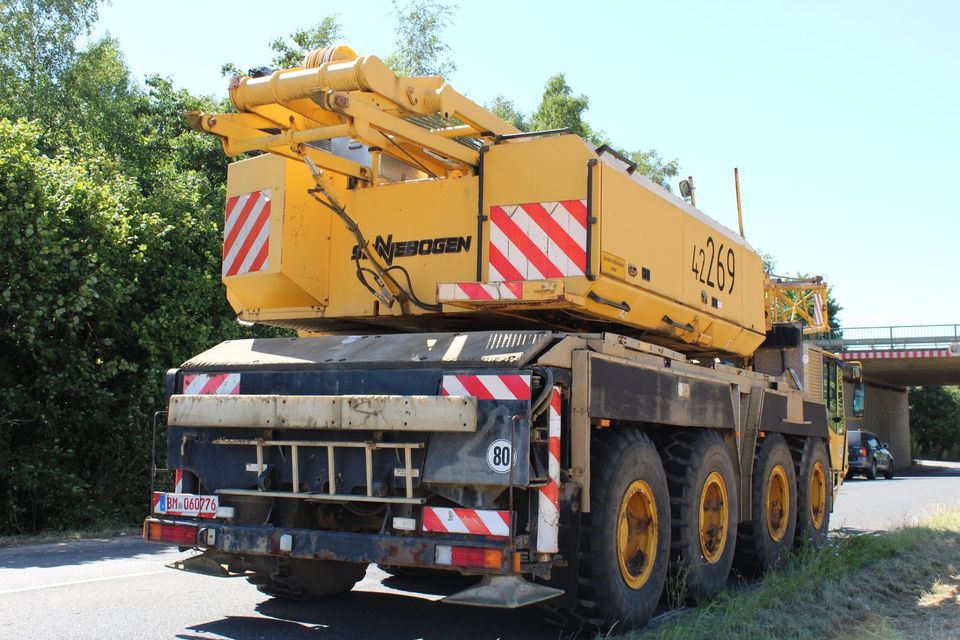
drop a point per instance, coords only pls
(104, 284)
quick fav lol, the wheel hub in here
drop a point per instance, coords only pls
(713, 518)
(637, 534)
(818, 495)
(778, 499)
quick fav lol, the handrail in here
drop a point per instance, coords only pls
(892, 337)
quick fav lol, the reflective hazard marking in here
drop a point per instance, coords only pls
(548, 520)
(472, 521)
(246, 233)
(487, 387)
(538, 240)
(211, 384)
(479, 291)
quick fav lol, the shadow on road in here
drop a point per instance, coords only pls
(363, 614)
(74, 552)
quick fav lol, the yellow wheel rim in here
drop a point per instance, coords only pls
(818, 495)
(713, 517)
(778, 501)
(637, 533)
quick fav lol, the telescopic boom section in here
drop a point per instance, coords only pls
(418, 120)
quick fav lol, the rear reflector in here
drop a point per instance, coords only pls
(476, 557)
(225, 512)
(404, 524)
(181, 534)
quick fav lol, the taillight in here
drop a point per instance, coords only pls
(476, 557)
(181, 534)
(863, 452)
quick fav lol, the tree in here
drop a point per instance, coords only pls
(291, 53)
(935, 422)
(110, 241)
(328, 32)
(650, 164)
(560, 109)
(420, 49)
(508, 112)
(36, 48)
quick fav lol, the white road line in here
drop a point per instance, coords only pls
(75, 582)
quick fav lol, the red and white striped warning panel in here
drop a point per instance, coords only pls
(474, 521)
(895, 355)
(479, 291)
(548, 516)
(818, 308)
(221, 384)
(178, 481)
(487, 387)
(538, 240)
(246, 234)
(185, 504)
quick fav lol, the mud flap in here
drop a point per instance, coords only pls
(503, 592)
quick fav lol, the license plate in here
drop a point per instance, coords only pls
(185, 504)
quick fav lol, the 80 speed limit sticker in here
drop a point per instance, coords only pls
(500, 456)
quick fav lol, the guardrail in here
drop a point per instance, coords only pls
(919, 336)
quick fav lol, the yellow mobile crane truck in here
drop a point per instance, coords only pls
(518, 358)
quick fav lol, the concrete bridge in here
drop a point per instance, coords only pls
(895, 358)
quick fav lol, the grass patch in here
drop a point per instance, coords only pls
(902, 584)
(47, 537)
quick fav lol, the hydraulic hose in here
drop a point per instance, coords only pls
(542, 403)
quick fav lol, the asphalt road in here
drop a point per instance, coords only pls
(119, 588)
(871, 505)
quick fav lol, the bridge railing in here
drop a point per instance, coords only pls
(920, 336)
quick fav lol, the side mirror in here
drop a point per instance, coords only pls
(858, 399)
(884, 445)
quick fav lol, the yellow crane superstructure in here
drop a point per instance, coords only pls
(443, 193)
(517, 358)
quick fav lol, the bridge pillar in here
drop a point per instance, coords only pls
(887, 414)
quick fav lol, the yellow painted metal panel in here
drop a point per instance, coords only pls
(427, 227)
(267, 288)
(645, 230)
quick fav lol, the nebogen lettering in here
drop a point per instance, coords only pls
(388, 250)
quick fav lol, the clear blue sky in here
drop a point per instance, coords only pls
(843, 116)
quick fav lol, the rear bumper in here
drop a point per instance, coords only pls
(403, 551)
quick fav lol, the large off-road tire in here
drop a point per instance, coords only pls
(765, 540)
(814, 492)
(626, 536)
(301, 580)
(703, 511)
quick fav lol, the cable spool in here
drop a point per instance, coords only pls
(335, 53)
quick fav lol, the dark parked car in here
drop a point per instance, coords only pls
(868, 455)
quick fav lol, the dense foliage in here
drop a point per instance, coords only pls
(110, 214)
(935, 422)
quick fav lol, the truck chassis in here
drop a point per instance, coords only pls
(570, 469)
